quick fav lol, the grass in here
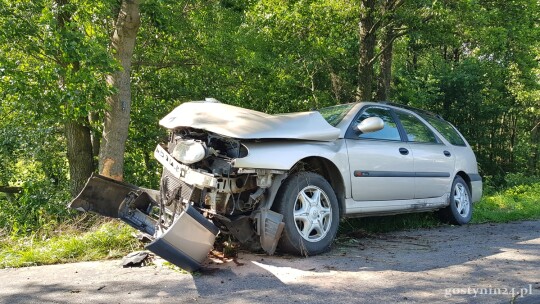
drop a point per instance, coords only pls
(107, 240)
(519, 202)
(382, 224)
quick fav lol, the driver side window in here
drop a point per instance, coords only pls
(390, 130)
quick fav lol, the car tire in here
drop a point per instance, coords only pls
(460, 210)
(310, 212)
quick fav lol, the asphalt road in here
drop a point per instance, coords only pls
(489, 263)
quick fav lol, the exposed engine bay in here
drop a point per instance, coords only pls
(201, 173)
(230, 193)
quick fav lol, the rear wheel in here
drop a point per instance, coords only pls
(310, 212)
(460, 210)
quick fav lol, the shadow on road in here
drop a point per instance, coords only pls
(470, 264)
(453, 257)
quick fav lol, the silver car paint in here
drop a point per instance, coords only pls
(188, 236)
(367, 208)
(430, 158)
(365, 155)
(476, 190)
(465, 162)
(281, 155)
(243, 123)
(185, 238)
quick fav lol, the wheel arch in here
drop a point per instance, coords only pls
(466, 178)
(329, 171)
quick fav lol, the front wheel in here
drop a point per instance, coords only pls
(310, 212)
(460, 210)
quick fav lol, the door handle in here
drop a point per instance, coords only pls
(447, 154)
(403, 151)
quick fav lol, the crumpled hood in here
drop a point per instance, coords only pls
(243, 123)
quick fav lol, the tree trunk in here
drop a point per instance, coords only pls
(79, 154)
(534, 160)
(79, 146)
(385, 76)
(337, 86)
(117, 115)
(93, 117)
(367, 50)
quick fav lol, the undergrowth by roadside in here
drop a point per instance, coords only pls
(106, 240)
(519, 202)
(96, 239)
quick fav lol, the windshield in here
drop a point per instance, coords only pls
(335, 114)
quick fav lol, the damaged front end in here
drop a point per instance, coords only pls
(201, 194)
(183, 237)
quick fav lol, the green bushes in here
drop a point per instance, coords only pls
(110, 239)
(40, 207)
(521, 200)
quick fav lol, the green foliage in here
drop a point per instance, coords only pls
(142, 168)
(36, 165)
(107, 241)
(53, 62)
(518, 202)
(301, 52)
(476, 64)
(39, 208)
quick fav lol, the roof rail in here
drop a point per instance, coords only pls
(416, 110)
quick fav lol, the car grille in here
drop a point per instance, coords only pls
(171, 186)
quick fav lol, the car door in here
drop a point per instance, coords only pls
(381, 164)
(433, 160)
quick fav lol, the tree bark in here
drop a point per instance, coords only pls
(337, 86)
(79, 146)
(385, 76)
(367, 39)
(79, 154)
(95, 136)
(117, 115)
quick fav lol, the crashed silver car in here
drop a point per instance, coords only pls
(285, 181)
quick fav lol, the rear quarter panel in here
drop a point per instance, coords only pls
(466, 162)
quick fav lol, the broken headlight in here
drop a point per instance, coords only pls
(189, 151)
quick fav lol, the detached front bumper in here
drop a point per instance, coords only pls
(185, 243)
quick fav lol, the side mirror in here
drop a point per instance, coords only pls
(370, 124)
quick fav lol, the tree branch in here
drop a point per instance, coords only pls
(372, 60)
(389, 9)
(163, 65)
(9, 189)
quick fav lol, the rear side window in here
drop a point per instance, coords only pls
(446, 130)
(416, 130)
(390, 130)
